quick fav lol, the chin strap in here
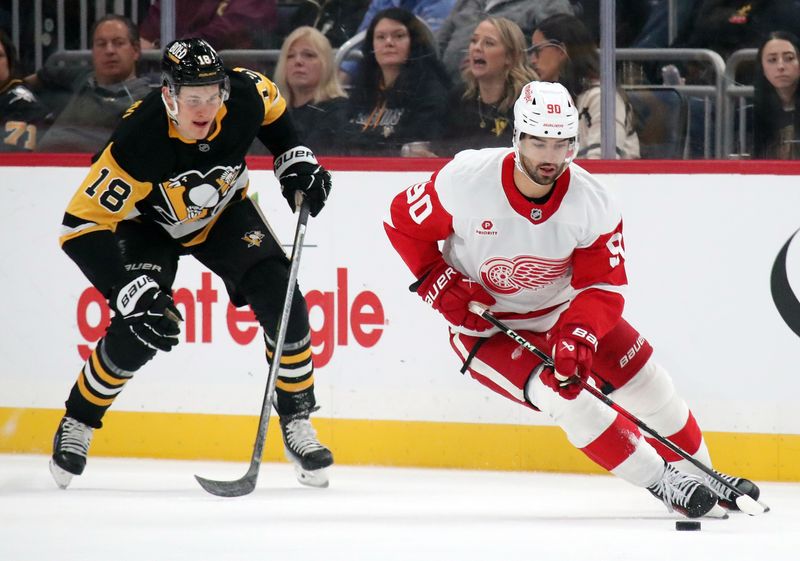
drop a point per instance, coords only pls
(171, 113)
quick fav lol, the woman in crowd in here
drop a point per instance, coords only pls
(306, 77)
(399, 93)
(21, 114)
(563, 51)
(482, 109)
(776, 110)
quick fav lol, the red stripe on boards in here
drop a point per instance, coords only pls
(336, 163)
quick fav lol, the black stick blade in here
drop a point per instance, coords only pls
(237, 488)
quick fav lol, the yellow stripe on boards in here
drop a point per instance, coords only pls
(186, 436)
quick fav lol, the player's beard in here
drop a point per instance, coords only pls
(533, 171)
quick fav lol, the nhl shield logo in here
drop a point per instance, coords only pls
(253, 238)
(536, 214)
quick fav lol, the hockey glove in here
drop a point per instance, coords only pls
(297, 170)
(149, 313)
(573, 351)
(450, 292)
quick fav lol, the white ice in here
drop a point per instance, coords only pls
(153, 510)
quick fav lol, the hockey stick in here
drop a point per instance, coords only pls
(745, 502)
(247, 483)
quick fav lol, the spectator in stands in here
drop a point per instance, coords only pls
(21, 114)
(454, 35)
(564, 51)
(400, 90)
(230, 24)
(481, 111)
(338, 20)
(725, 26)
(306, 77)
(432, 12)
(776, 105)
(101, 96)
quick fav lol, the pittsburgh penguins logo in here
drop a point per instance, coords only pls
(783, 294)
(194, 195)
(254, 238)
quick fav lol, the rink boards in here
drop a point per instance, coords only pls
(703, 242)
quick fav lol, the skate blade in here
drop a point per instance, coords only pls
(317, 478)
(61, 476)
(717, 512)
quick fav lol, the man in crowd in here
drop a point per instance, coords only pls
(96, 100)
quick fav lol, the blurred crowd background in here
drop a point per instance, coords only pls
(695, 79)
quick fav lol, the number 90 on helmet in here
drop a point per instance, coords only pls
(546, 110)
(192, 62)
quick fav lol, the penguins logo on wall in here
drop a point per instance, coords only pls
(783, 295)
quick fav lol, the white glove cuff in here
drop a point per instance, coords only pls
(129, 295)
(293, 156)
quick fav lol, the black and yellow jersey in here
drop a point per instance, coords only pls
(148, 171)
(22, 117)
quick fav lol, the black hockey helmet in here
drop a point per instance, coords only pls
(192, 62)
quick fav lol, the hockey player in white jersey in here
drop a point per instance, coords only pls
(539, 240)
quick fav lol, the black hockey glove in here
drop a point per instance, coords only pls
(298, 171)
(149, 313)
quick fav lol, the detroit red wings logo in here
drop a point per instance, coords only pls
(509, 276)
(526, 93)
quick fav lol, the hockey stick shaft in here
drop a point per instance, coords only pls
(247, 483)
(745, 502)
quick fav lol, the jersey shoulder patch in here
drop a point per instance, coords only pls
(270, 98)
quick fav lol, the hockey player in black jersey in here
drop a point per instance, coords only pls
(172, 181)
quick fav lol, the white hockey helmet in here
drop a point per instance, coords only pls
(546, 110)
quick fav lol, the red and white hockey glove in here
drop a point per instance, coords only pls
(573, 351)
(449, 292)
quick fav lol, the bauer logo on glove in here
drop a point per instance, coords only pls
(450, 292)
(438, 284)
(297, 170)
(128, 297)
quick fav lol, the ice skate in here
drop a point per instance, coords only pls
(686, 494)
(310, 458)
(726, 497)
(70, 448)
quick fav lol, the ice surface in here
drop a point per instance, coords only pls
(153, 510)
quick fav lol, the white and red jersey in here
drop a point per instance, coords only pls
(563, 258)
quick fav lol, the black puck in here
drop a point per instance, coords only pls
(687, 525)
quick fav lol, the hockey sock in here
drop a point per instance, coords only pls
(294, 388)
(621, 450)
(98, 384)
